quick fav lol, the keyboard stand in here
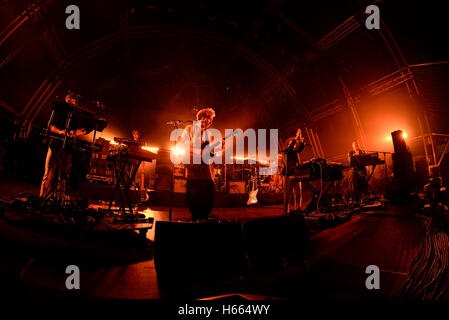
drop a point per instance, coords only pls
(120, 164)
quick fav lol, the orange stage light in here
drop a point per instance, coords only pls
(178, 151)
(151, 149)
(404, 135)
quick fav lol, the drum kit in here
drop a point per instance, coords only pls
(226, 176)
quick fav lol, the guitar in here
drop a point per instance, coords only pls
(216, 144)
(201, 170)
(253, 192)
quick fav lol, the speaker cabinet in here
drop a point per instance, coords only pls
(270, 242)
(399, 144)
(421, 172)
(403, 170)
(187, 253)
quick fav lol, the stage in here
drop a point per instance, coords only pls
(333, 269)
(186, 150)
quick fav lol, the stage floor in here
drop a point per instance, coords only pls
(388, 238)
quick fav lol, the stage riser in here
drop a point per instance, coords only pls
(98, 191)
(221, 199)
(45, 239)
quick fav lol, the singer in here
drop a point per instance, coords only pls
(200, 184)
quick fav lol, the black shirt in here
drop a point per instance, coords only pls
(59, 121)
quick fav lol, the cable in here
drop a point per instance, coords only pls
(429, 274)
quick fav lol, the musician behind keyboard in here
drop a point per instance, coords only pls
(58, 157)
(294, 188)
(359, 173)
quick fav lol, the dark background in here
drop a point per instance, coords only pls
(153, 61)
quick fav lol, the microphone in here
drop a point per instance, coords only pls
(177, 122)
(174, 122)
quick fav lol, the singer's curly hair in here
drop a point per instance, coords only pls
(208, 112)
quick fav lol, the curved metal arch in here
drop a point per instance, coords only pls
(107, 42)
(413, 91)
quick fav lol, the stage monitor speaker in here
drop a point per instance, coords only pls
(403, 170)
(187, 253)
(272, 241)
(421, 172)
(398, 141)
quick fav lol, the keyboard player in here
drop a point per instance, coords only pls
(59, 156)
(359, 172)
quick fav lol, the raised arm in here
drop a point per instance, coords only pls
(55, 129)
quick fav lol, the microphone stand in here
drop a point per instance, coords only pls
(172, 179)
(175, 124)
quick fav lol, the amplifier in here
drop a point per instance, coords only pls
(180, 185)
(96, 178)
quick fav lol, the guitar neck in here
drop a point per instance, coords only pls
(224, 139)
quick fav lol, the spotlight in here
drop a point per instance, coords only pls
(404, 136)
(151, 149)
(178, 151)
